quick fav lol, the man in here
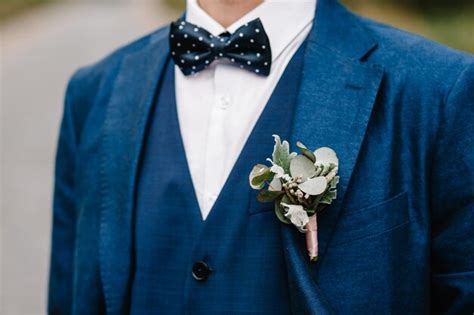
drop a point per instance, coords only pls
(153, 212)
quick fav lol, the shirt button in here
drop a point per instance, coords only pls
(201, 271)
(225, 101)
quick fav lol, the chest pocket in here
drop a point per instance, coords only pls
(376, 219)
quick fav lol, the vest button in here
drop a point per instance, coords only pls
(201, 271)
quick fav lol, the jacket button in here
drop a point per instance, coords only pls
(201, 271)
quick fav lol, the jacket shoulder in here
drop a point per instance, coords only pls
(426, 83)
(399, 49)
(429, 69)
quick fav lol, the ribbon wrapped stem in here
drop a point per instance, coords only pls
(312, 238)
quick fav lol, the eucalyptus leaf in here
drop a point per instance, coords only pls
(326, 156)
(268, 195)
(281, 154)
(280, 212)
(314, 186)
(333, 183)
(302, 166)
(259, 175)
(306, 152)
(328, 197)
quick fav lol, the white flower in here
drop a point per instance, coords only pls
(278, 171)
(297, 215)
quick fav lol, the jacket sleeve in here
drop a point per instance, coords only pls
(452, 202)
(64, 215)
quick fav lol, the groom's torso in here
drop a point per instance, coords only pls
(233, 260)
(372, 105)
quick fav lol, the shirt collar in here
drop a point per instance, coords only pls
(283, 20)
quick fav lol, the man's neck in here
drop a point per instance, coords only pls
(226, 12)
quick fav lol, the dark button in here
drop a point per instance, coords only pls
(201, 271)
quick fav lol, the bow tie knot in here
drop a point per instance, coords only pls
(221, 42)
(194, 48)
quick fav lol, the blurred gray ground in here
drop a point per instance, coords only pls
(39, 51)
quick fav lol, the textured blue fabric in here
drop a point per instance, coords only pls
(398, 110)
(241, 245)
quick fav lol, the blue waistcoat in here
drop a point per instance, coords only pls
(239, 241)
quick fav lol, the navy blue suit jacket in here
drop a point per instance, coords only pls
(398, 110)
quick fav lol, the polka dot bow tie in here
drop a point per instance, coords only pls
(194, 48)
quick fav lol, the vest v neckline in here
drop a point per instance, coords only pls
(282, 98)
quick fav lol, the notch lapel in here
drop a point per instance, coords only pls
(123, 135)
(337, 94)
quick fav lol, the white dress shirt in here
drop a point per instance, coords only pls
(219, 106)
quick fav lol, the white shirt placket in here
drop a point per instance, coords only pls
(216, 157)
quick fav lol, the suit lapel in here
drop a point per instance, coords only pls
(337, 93)
(123, 135)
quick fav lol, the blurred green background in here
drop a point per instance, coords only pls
(9, 8)
(448, 22)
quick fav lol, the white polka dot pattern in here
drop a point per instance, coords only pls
(194, 48)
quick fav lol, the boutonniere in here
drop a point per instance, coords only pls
(300, 185)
